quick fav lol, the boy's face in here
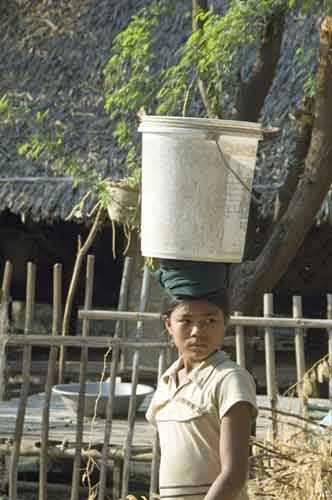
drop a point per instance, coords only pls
(197, 328)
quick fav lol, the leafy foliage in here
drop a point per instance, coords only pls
(130, 81)
(213, 53)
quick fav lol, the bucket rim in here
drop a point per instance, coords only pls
(208, 124)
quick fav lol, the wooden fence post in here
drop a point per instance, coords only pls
(299, 351)
(121, 326)
(51, 371)
(120, 332)
(154, 483)
(134, 381)
(4, 327)
(240, 344)
(26, 367)
(329, 316)
(271, 381)
(83, 369)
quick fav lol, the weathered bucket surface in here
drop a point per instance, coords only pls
(193, 206)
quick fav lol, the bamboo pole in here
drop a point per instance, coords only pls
(121, 326)
(239, 344)
(73, 367)
(299, 351)
(329, 333)
(4, 326)
(102, 315)
(4, 332)
(56, 330)
(154, 483)
(81, 398)
(30, 449)
(55, 489)
(6, 281)
(263, 322)
(108, 424)
(99, 342)
(29, 313)
(270, 362)
(134, 381)
(104, 341)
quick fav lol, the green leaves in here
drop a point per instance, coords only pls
(214, 53)
(309, 86)
(4, 105)
(130, 83)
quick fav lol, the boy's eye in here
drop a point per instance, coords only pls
(201, 323)
(184, 321)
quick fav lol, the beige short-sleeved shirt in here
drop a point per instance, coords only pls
(188, 418)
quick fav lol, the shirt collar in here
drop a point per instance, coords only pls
(201, 373)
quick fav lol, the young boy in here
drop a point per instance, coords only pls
(203, 407)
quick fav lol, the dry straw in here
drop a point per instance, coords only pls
(298, 465)
(296, 468)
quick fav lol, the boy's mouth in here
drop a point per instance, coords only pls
(197, 345)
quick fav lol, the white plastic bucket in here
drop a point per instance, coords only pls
(194, 207)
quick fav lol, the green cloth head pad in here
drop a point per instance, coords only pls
(191, 279)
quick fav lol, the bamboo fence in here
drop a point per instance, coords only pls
(104, 455)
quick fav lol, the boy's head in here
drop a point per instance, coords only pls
(219, 298)
(197, 326)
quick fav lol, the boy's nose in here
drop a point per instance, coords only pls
(196, 329)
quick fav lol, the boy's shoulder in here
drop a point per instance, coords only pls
(217, 368)
(221, 362)
(213, 370)
(224, 364)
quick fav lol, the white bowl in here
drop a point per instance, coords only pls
(70, 392)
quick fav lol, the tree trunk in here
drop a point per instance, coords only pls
(252, 279)
(303, 137)
(252, 94)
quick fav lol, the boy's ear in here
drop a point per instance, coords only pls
(167, 323)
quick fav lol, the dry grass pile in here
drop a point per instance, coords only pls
(295, 468)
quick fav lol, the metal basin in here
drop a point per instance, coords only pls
(70, 392)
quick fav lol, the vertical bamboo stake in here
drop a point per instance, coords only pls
(329, 316)
(299, 351)
(83, 369)
(239, 344)
(56, 330)
(26, 367)
(108, 424)
(4, 326)
(132, 405)
(121, 326)
(4, 331)
(154, 484)
(270, 362)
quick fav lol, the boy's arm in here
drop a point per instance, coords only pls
(234, 451)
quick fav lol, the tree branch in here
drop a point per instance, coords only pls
(304, 126)
(209, 104)
(260, 276)
(82, 251)
(252, 94)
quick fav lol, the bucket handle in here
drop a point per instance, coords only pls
(236, 175)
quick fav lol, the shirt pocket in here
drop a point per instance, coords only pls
(182, 409)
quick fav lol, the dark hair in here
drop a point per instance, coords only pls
(220, 298)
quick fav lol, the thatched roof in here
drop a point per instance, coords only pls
(52, 58)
